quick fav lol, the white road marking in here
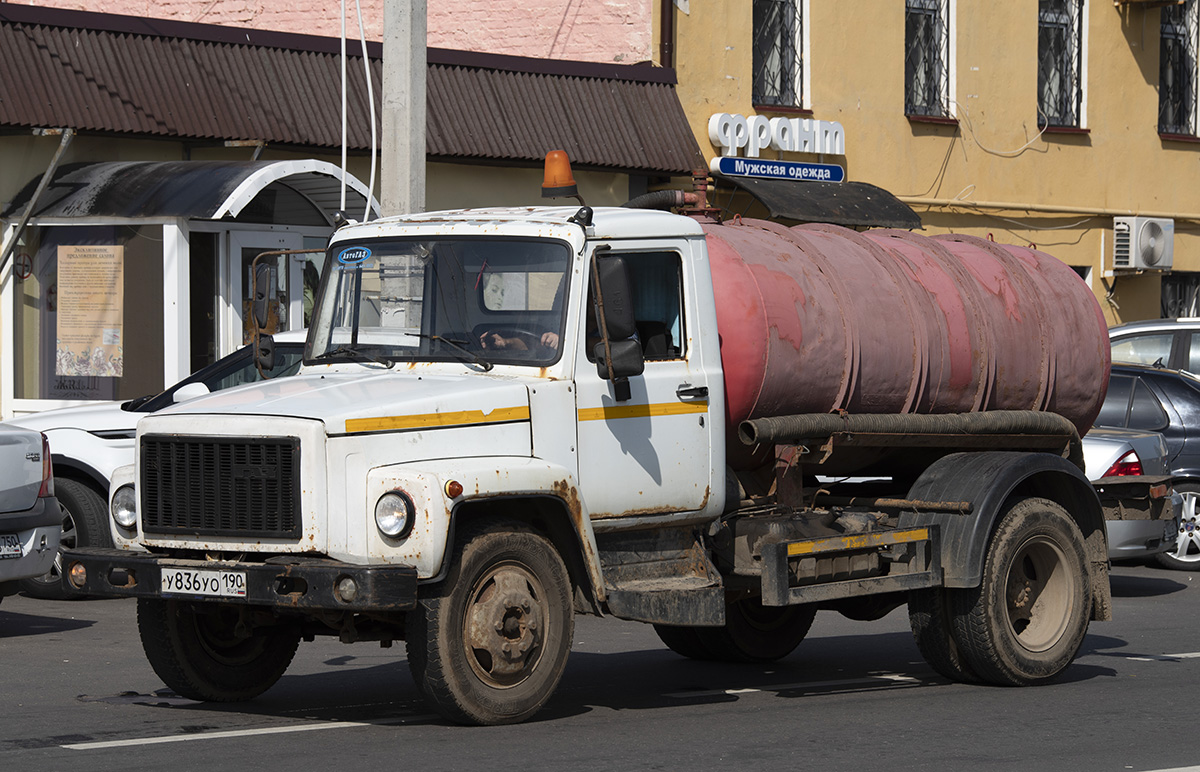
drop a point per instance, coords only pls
(179, 738)
(1161, 658)
(879, 680)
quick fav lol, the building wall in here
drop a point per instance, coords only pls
(582, 30)
(992, 173)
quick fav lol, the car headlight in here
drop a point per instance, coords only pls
(394, 514)
(124, 507)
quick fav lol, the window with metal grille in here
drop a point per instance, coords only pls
(1177, 70)
(778, 53)
(1181, 294)
(927, 57)
(1060, 62)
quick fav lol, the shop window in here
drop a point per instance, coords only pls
(927, 58)
(1177, 69)
(1181, 294)
(778, 56)
(1060, 63)
(89, 315)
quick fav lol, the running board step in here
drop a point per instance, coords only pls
(664, 576)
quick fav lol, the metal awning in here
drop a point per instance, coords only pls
(840, 203)
(203, 190)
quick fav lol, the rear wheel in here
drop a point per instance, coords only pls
(1185, 556)
(1025, 623)
(211, 652)
(929, 617)
(84, 524)
(491, 643)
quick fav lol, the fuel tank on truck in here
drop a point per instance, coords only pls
(820, 318)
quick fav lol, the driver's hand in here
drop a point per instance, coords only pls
(550, 339)
(493, 340)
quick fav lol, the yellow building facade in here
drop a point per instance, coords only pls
(1020, 148)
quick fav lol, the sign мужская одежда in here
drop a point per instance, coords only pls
(732, 132)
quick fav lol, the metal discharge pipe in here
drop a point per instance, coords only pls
(796, 428)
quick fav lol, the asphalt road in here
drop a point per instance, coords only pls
(77, 693)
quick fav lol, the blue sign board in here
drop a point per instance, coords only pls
(777, 170)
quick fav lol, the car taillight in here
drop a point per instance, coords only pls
(47, 488)
(1126, 466)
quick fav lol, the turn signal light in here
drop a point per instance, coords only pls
(558, 181)
(1126, 466)
(454, 489)
(78, 575)
(47, 488)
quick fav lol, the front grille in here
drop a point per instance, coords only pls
(220, 486)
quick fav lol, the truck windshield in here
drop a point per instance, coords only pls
(482, 301)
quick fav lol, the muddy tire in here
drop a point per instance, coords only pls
(1185, 555)
(85, 524)
(929, 617)
(1025, 623)
(490, 644)
(201, 652)
(752, 633)
(684, 641)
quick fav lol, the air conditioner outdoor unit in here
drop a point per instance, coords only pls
(1143, 243)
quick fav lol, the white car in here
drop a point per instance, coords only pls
(89, 442)
(30, 521)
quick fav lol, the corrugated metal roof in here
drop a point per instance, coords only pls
(111, 74)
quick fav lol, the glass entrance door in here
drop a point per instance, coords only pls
(287, 288)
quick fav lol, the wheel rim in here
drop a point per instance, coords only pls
(1038, 594)
(505, 625)
(1187, 542)
(218, 634)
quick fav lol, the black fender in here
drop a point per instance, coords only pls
(987, 480)
(67, 466)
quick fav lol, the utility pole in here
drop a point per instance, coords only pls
(402, 146)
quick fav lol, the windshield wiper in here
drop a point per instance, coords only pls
(460, 347)
(355, 353)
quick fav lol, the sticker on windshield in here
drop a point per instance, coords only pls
(352, 256)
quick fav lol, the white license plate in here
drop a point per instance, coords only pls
(218, 584)
(10, 546)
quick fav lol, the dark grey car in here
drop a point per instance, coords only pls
(1168, 402)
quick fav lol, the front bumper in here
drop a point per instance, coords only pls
(284, 582)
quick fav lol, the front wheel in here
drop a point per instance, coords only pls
(211, 652)
(1185, 556)
(1025, 623)
(491, 642)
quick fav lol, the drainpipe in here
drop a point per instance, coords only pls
(67, 136)
(666, 34)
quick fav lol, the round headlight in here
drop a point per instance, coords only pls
(124, 507)
(394, 514)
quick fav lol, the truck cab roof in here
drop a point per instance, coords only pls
(607, 223)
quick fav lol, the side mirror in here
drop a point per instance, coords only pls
(619, 353)
(189, 391)
(615, 298)
(262, 294)
(626, 359)
(264, 353)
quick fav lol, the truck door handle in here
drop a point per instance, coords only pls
(686, 391)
